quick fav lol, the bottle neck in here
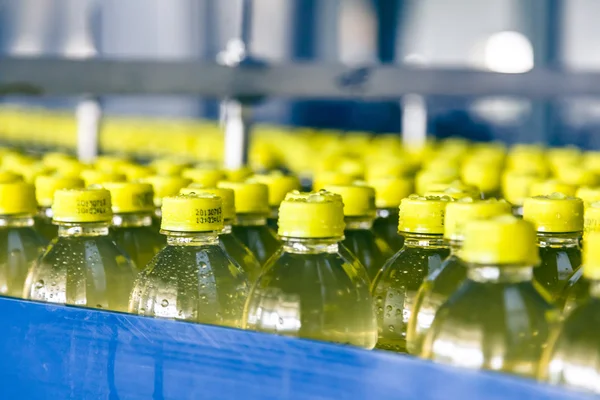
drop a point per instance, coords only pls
(158, 213)
(455, 246)
(571, 239)
(424, 240)
(132, 220)
(310, 245)
(16, 221)
(274, 213)
(45, 213)
(358, 223)
(388, 212)
(66, 229)
(500, 274)
(191, 238)
(227, 224)
(250, 220)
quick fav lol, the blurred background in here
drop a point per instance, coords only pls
(508, 36)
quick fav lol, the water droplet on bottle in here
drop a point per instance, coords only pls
(391, 328)
(280, 321)
(39, 284)
(379, 310)
(388, 308)
(202, 265)
(164, 302)
(98, 305)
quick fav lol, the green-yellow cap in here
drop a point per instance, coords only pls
(324, 178)
(460, 212)
(484, 176)
(591, 218)
(425, 178)
(165, 186)
(250, 198)
(46, 185)
(577, 176)
(134, 172)
(168, 166)
(279, 186)
(17, 198)
(502, 240)
(130, 197)
(7, 176)
(588, 194)
(390, 191)
(311, 215)
(203, 176)
(227, 195)
(591, 255)
(202, 212)
(545, 188)
(359, 200)
(516, 186)
(82, 205)
(420, 214)
(554, 213)
(96, 177)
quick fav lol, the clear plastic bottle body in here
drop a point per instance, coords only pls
(395, 287)
(44, 225)
(20, 247)
(497, 320)
(192, 279)
(560, 256)
(575, 293)
(257, 236)
(433, 293)
(385, 226)
(239, 253)
(371, 251)
(82, 267)
(311, 290)
(134, 234)
(572, 358)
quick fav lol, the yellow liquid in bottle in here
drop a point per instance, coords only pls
(306, 291)
(192, 279)
(44, 225)
(560, 256)
(385, 227)
(137, 238)
(239, 253)
(395, 286)
(257, 236)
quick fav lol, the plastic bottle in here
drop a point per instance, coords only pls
(546, 188)
(133, 207)
(310, 289)
(558, 220)
(45, 186)
(192, 278)
(163, 186)
(497, 320)
(204, 176)
(571, 357)
(443, 282)
(82, 266)
(389, 192)
(234, 248)
(359, 214)
(577, 288)
(20, 244)
(279, 185)
(395, 286)
(96, 177)
(250, 226)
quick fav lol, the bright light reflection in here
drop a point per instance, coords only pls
(508, 52)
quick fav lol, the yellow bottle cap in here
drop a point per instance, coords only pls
(71, 168)
(516, 186)
(250, 198)
(169, 167)
(426, 178)
(17, 198)
(110, 164)
(31, 171)
(545, 188)
(279, 186)
(192, 213)
(576, 175)
(389, 192)
(238, 175)
(205, 177)
(95, 177)
(7, 176)
(54, 159)
(484, 176)
(324, 178)
(460, 212)
(588, 194)
(502, 240)
(591, 218)
(82, 205)
(128, 197)
(227, 195)
(311, 215)
(134, 172)
(554, 213)
(423, 214)
(454, 193)
(359, 200)
(591, 255)
(46, 185)
(165, 186)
